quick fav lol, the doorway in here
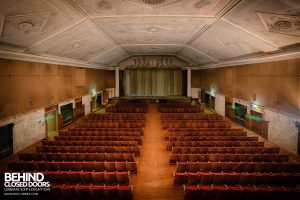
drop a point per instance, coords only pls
(240, 114)
(6, 140)
(99, 100)
(94, 103)
(52, 128)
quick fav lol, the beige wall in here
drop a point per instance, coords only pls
(28, 128)
(26, 86)
(275, 84)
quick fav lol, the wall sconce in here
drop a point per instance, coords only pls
(212, 92)
(254, 97)
(94, 92)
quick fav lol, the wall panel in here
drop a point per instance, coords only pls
(26, 86)
(275, 84)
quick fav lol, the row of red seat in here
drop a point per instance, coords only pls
(121, 124)
(100, 129)
(224, 192)
(84, 178)
(76, 157)
(179, 109)
(88, 143)
(111, 124)
(139, 116)
(177, 121)
(189, 129)
(174, 104)
(237, 167)
(73, 166)
(228, 157)
(204, 134)
(93, 192)
(127, 109)
(101, 133)
(171, 144)
(89, 120)
(96, 178)
(89, 149)
(189, 116)
(212, 138)
(99, 138)
(251, 150)
(217, 178)
(197, 124)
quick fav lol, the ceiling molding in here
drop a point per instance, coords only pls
(2, 21)
(205, 33)
(56, 33)
(45, 59)
(202, 30)
(201, 53)
(101, 29)
(78, 9)
(227, 8)
(191, 63)
(269, 58)
(256, 36)
(209, 19)
(154, 44)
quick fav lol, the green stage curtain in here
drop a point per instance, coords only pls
(149, 82)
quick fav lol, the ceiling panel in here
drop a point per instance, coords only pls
(81, 42)
(207, 8)
(151, 30)
(223, 41)
(101, 32)
(271, 20)
(133, 49)
(152, 49)
(27, 22)
(110, 57)
(194, 56)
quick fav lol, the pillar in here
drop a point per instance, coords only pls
(127, 77)
(189, 82)
(297, 124)
(117, 82)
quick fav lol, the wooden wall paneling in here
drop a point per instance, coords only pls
(275, 84)
(80, 77)
(42, 84)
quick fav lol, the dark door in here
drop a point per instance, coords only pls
(6, 140)
(99, 100)
(240, 114)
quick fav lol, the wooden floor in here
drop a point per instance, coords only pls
(154, 179)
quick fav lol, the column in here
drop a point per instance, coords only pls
(127, 78)
(189, 82)
(297, 124)
(117, 82)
